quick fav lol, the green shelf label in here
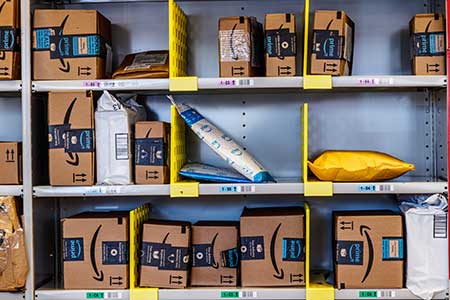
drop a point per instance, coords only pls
(95, 295)
(368, 294)
(229, 294)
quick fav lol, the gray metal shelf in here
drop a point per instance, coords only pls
(217, 83)
(216, 294)
(280, 188)
(11, 190)
(10, 86)
(12, 296)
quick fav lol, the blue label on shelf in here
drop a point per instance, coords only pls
(150, 152)
(293, 249)
(115, 253)
(230, 258)
(392, 248)
(73, 249)
(252, 247)
(350, 253)
(367, 188)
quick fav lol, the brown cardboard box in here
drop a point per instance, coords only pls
(281, 45)
(13, 255)
(71, 138)
(215, 256)
(152, 152)
(333, 39)
(71, 44)
(273, 246)
(369, 250)
(10, 40)
(166, 254)
(95, 250)
(428, 44)
(10, 163)
(241, 47)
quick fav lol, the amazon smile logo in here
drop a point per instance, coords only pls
(364, 232)
(279, 273)
(74, 159)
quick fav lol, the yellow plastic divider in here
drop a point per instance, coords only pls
(311, 188)
(178, 79)
(137, 218)
(311, 81)
(178, 187)
(316, 287)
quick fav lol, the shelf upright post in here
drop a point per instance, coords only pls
(27, 196)
(322, 82)
(447, 7)
(178, 43)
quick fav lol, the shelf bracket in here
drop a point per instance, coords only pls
(184, 189)
(183, 84)
(144, 294)
(317, 82)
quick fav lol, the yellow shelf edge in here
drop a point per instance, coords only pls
(144, 294)
(183, 84)
(317, 82)
(184, 190)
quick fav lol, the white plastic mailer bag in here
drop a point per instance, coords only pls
(114, 120)
(427, 245)
(223, 145)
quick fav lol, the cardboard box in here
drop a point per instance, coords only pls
(215, 256)
(369, 250)
(241, 47)
(333, 39)
(152, 152)
(273, 246)
(428, 44)
(12, 251)
(10, 163)
(10, 40)
(95, 250)
(71, 44)
(71, 153)
(166, 254)
(281, 45)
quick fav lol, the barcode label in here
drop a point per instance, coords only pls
(96, 190)
(237, 189)
(386, 294)
(113, 295)
(373, 188)
(440, 226)
(121, 146)
(245, 82)
(248, 294)
(375, 81)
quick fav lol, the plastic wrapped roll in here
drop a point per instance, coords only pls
(223, 145)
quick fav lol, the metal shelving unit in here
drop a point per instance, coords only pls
(217, 294)
(226, 84)
(10, 86)
(11, 190)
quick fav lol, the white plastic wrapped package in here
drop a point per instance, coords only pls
(113, 124)
(223, 145)
(426, 232)
(211, 173)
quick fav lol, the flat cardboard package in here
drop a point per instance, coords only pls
(369, 250)
(14, 266)
(10, 163)
(71, 151)
(273, 246)
(333, 39)
(428, 44)
(152, 152)
(241, 47)
(149, 64)
(95, 250)
(165, 257)
(71, 44)
(10, 40)
(215, 257)
(281, 45)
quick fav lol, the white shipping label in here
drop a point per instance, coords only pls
(121, 146)
(147, 60)
(234, 45)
